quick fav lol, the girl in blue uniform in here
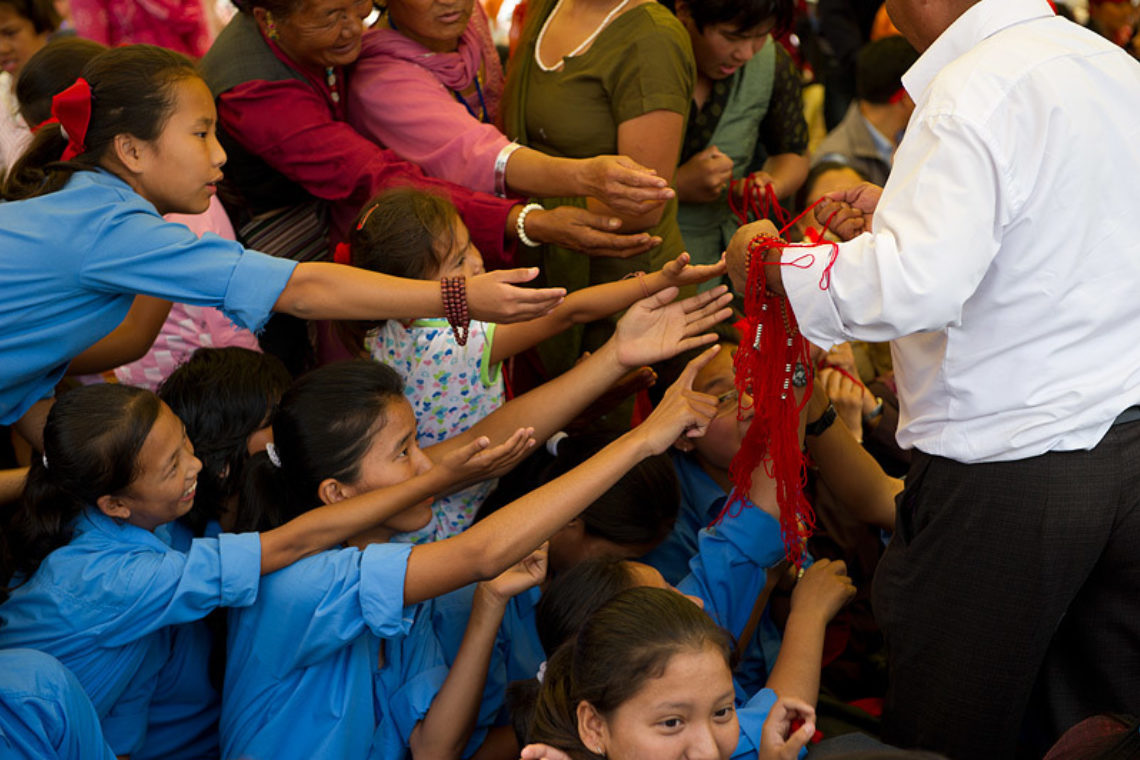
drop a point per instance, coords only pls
(333, 658)
(91, 582)
(87, 234)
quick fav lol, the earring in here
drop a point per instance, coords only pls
(271, 25)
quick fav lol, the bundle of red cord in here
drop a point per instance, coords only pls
(772, 351)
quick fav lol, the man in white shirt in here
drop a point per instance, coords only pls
(1002, 261)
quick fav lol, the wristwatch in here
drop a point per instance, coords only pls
(823, 422)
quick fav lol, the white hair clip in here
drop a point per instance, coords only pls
(541, 674)
(274, 457)
(43, 458)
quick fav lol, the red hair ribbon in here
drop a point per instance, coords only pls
(900, 93)
(342, 254)
(72, 108)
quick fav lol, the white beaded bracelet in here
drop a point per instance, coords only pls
(521, 229)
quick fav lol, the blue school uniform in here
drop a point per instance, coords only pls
(44, 713)
(74, 259)
(300, 661)
(104, 604)
(701, 501)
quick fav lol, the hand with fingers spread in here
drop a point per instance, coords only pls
(682, 411)
(823, 590)
(623, 184)
(582, 230)
(478, 460)
(659, 327)
(854, 210)
(704, 177)
(494, 297)
(788, 729)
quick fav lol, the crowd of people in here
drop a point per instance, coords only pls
(384, 380)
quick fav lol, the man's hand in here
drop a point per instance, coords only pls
(738, 259)
(854, 210)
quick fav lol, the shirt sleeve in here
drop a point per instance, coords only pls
(404, 107)
(138, 252)
(289, 126)
(936, 231)
(150, 590)
(654, 72)
(783, 128)
(727, 572)
(751, 716)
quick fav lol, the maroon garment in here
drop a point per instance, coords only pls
(297, 129)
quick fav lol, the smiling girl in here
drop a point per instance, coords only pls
(86, 233)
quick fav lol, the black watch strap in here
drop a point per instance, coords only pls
(825, 420)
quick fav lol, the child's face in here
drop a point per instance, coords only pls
(19, 40)
(721, 441)
(179, 171)
(463, 258)
(392, 458)
(163, 490)
(687, 712)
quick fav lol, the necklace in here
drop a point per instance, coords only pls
(330, 78)
(585, 43)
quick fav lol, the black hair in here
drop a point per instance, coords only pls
(53, 69)
(323, 427)
(638, 509)
(880, 66)
(401, 232)
(92, 441)
(42, 13)
(624, 643)
(572, 596)
(222, 395)
(132, 92)
(743, 15)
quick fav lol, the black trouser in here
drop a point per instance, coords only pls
(1009, 592)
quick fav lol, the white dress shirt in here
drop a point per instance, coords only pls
(1004, 259)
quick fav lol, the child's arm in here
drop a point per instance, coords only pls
(327, 526)
(819, 594)
(318, 290)
(509, 534)
(597, 302)
(653, 329)
(128, 342)
(12, 484)
(447, 727)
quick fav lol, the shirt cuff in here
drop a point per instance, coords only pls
(383, 568)
(240, 558)
(813, 305)
(255, 285)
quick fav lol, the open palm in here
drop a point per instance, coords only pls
(658, 327)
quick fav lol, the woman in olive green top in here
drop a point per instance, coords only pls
(595, 77)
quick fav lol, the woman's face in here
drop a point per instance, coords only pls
(435, 24)
(392, 458)
(167, 477)
(19, 40)
(320, 33)
(687, 713)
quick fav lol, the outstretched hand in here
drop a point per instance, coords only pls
(854, 209)
(542, 752)
(778, 740)
(524, 574)
(582, 230)
(623, 184)
(657, 328)
(682, 411)
(736, 254)
(494, 297)
(478, 461)
(680, 272)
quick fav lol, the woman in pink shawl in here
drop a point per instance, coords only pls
(175, 24)
(428, 84)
